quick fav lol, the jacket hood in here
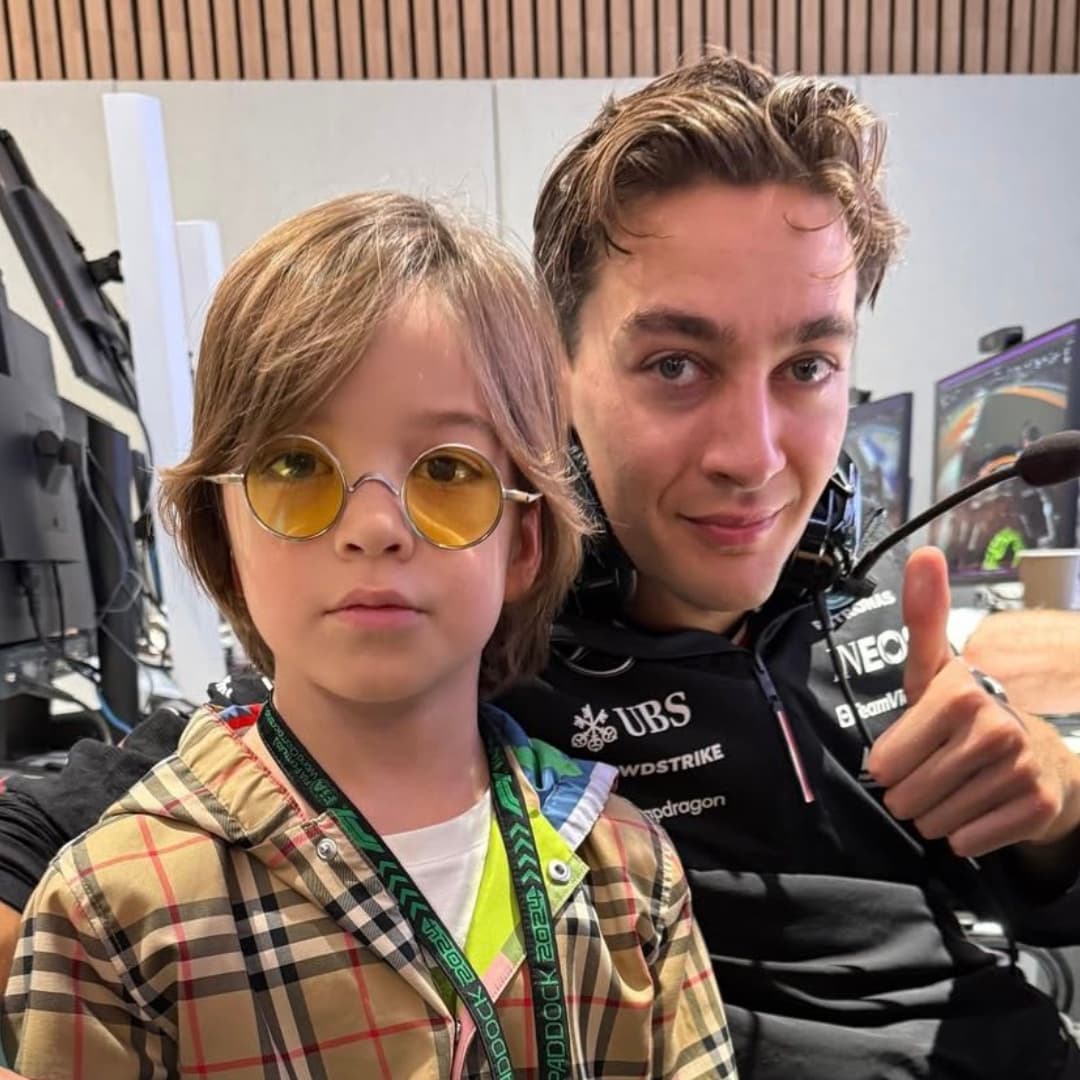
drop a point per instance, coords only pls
(250, 804)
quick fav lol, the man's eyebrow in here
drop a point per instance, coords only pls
(666, 320)
(824, 326)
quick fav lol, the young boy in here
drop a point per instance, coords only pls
(332, 885)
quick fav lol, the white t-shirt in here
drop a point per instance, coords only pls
(446, 861)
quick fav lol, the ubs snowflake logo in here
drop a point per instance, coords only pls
(594, 734)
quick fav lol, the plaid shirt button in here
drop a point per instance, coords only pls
(326, 849)
(558, 872)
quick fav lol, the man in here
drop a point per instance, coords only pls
(709, 242)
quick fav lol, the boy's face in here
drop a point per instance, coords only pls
(418, 616)
(709, 388)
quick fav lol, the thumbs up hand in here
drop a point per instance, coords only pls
(960, 763)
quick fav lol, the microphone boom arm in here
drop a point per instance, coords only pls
(865, 564)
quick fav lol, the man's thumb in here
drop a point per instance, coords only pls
(926, 615)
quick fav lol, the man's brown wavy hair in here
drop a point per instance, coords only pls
(723, 119)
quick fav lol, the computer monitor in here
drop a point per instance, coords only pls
(41, 529)
(984, 415)
(94, 334)
(879, 441)
(54, 554)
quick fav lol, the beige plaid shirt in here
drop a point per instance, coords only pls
(206, 928)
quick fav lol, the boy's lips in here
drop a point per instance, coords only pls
(375, 609)
(374, 598)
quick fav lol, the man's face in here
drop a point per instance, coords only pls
(709, 389)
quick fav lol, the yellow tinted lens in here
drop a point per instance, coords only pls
(294, 488)
(453, 497)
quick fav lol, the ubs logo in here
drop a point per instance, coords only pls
(596, 728)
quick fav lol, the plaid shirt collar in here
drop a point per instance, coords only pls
(228, 792)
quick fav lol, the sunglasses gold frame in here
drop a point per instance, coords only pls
(508, 494)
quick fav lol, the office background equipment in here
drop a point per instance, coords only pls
(84, 646)
(94, 334)
(879, 441)
(47, 602)
(984, 415)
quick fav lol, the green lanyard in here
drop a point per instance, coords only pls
(541, 955)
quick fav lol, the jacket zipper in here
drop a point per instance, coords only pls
(764, 680)
(772, 696)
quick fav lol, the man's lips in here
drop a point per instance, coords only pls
(734, 529)
(736, 520)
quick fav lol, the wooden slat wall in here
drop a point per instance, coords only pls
(406, 39)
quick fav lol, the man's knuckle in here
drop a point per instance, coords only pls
(1046, 802)
(999, 737)
(969, 700)
(1027, 773)
(897, 804)
(931, 826)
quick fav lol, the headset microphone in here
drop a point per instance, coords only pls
(1052, 459)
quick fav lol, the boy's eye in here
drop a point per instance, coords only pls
(448, 469)
(292, 465)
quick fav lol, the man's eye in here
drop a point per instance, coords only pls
(811, 369)
(676, 368)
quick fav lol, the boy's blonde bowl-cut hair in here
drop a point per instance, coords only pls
(293, 316)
